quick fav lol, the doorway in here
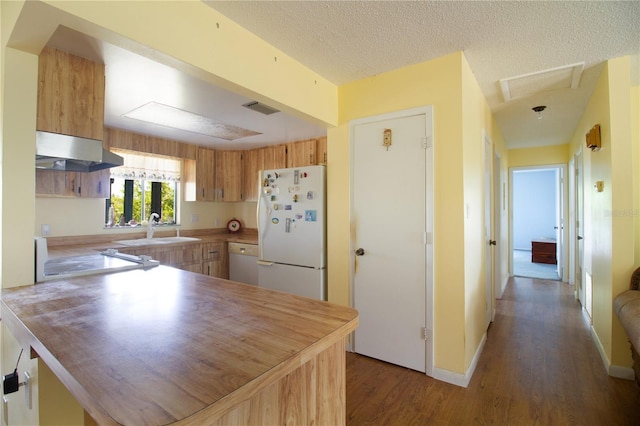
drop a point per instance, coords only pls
(391, 223)
(537, 236)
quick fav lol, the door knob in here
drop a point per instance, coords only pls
(579, 238)
(492, 242)
(360, 252)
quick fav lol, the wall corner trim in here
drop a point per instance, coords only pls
(457, 378)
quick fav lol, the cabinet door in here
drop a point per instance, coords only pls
(55, 182)
(274, 157)
(205, 175)
(95, 184)
(252, 161)
(213, 269)
(321, 150)
(229, 175)
(301, 154)
(70, 95)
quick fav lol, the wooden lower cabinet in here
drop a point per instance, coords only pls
(215, 260)
(312, 394)
(205, 258)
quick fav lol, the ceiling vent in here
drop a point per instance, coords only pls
(521, 86)
(261, 108)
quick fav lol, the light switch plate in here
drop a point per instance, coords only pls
(27, 389)
(45, 229)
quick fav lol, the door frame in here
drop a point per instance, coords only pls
(561, 192)
(427, 111)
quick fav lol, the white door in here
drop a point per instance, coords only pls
(579, 273)
(389, 223)
(560, 221)
(498, 206)
(488, 233)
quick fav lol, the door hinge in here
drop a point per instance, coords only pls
(426, 143)
(427, 238)
(426, 334)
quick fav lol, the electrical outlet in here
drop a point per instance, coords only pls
(195, 218)
(217, 222)
(45, 229)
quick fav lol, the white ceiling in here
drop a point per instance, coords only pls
(349, 40)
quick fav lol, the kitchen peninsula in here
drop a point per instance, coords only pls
(166, 346)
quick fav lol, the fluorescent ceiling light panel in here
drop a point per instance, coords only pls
(168, 116)
(565, 77)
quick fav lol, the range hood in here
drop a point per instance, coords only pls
(71, 153)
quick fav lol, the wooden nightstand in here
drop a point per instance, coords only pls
(543, 251)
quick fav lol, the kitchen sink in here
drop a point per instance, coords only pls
(156, 241)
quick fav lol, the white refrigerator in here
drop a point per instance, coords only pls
(292, 231)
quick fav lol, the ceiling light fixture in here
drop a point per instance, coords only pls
(168, 116)
(538, 110)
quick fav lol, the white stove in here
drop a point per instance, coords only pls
(74, 266)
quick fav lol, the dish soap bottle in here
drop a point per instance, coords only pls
(112, 217)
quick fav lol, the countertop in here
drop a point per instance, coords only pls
(82, 245)
(162, 345)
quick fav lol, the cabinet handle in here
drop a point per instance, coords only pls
(325, 157)
(213, 252)
(202, 192)
(310, 158)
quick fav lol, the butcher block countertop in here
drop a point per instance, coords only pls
(163, 346)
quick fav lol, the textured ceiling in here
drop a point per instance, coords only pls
(349, 40)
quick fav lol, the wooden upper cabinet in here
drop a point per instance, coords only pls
(301, 153)
(59, 183)
(71, 102)
(321, 150)
(229, 175)
(274, 157)
(252, 163)
(95, 184)
(205, 174)
(70, 95)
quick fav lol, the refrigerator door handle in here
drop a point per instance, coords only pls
(265, 263)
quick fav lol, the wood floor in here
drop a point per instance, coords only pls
(539, 367)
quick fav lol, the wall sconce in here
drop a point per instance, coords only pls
(593, 138)
(538, 110)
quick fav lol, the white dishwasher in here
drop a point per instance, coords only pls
(243, 263)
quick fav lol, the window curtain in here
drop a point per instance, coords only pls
(146, 166)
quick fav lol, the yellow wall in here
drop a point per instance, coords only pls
(475, 249)
(83, 216)
(609, 230)
(635, 144)
(539, 156)
(436, 83)
(446, 83)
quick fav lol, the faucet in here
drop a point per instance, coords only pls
(150, 228)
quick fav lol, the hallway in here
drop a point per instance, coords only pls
(539, 366)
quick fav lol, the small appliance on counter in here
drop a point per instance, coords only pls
(91, 264)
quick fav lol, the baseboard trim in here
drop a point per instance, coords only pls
(503, 287)
(621, 372)
(458, 379)
(603, 355)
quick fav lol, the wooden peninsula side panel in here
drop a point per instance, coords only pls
(166, 346)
